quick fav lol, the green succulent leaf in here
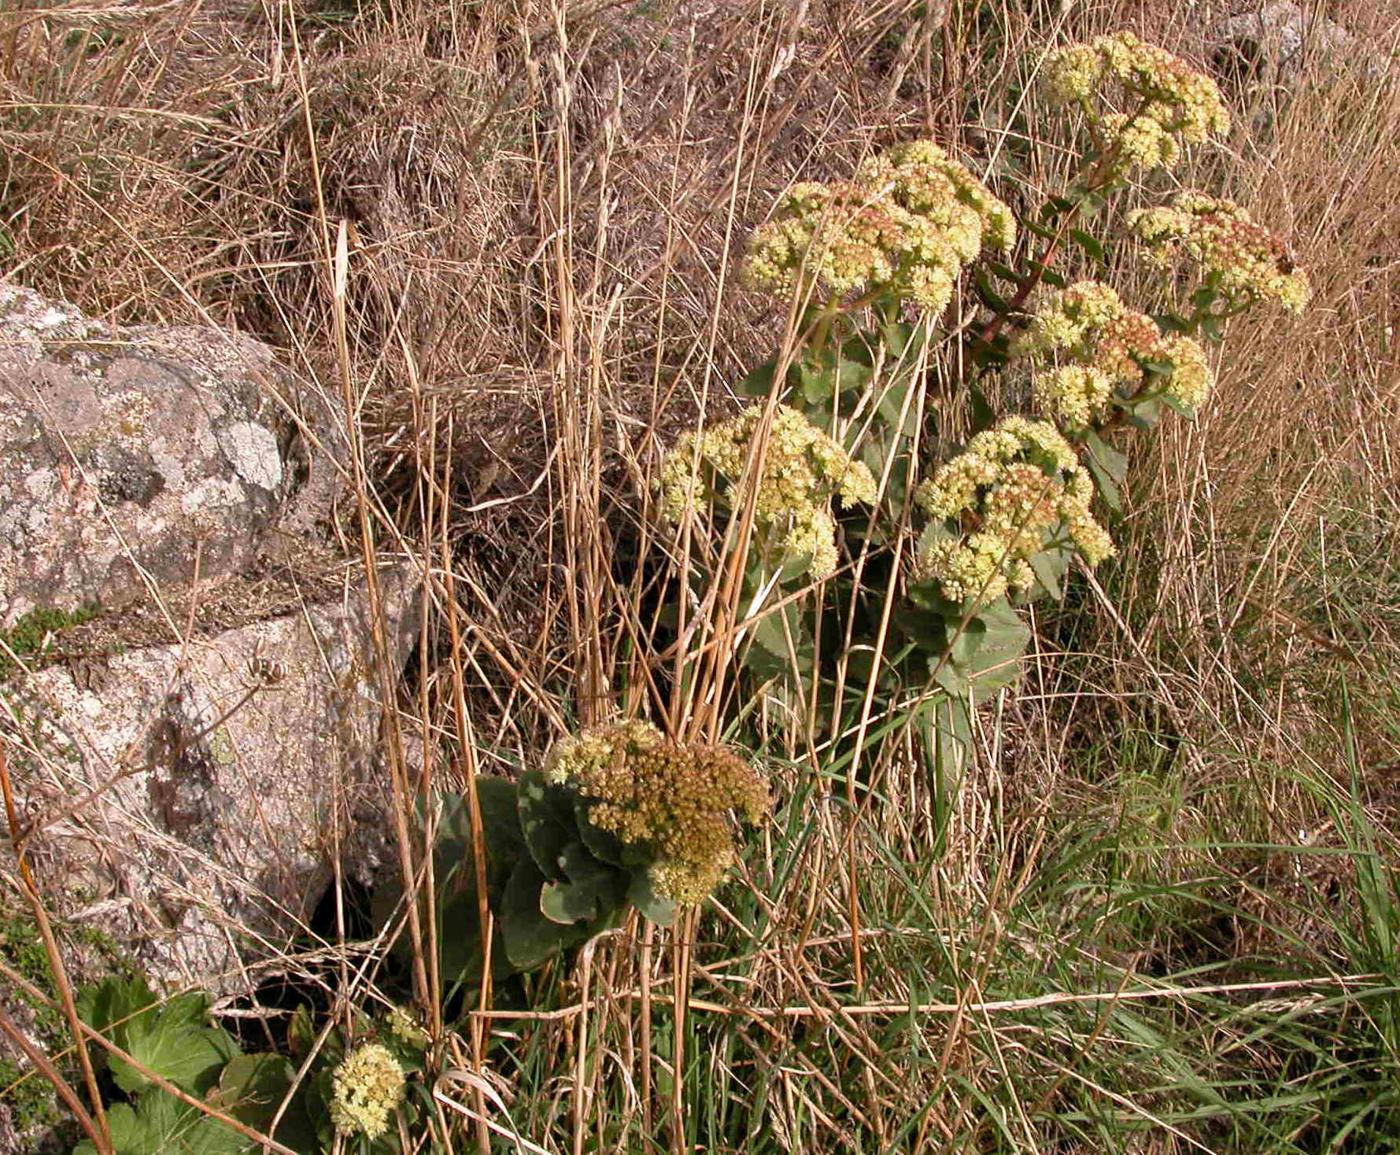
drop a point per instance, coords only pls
(604, 845)
(642, 894)
(499, 801)
(1004, 640)
(1107, 466)
(984, 654)
(547, 821)
(1144, 413)
(530, 938)
(1049, 566)
(781, 645)
(1090, 244)
(594, 888)
(759, 382)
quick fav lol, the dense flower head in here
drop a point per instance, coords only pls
(997, 504)
(906, 223)
(672, 800)
(405, 1026)
(365, 1090)
(1085, 344)
(1161, 101)
(801, 470)
(1246, 260)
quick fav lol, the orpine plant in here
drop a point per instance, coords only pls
(904, 226)
(800, 472)
(872, 265)
(668, 804)
(826, 463)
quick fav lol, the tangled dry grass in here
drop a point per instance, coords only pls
(537, 209)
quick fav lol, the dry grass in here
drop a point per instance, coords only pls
(541, 209)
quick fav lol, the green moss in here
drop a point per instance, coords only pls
(29, 1097)
(32, 633)
(33, 1106)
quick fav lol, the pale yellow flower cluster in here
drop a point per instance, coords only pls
(403, 1024)
(997, 504)
(1086, 343)
(802, 468)
(674, 801)
(365, 1090)
(1246, 260)
(905, 224)
(1164, 102)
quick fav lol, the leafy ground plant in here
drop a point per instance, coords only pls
(1048, 862)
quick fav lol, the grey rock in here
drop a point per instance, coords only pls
(139, 457)
(1269, 44)
(192, 801)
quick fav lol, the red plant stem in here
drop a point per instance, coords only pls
(1099, 177)
(1032, 279)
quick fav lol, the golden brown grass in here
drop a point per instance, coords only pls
(508, 235)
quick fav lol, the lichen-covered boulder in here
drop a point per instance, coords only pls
(1269, 43)
(140, 458)
(192, 799)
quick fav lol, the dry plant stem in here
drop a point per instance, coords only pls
(55, 958)
(702, 718)
(336, 263)
(644, 969)
(466, 741)
(580, 1092)
(41, 1063)
(426, 484)
(684, 942)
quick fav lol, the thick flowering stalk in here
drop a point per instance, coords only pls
(1142, 102)
(1007, 496)
(801, 471)
(1244, 260)
(366, 1089)
(1086, 345)
(673, 802)
(904, 225)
